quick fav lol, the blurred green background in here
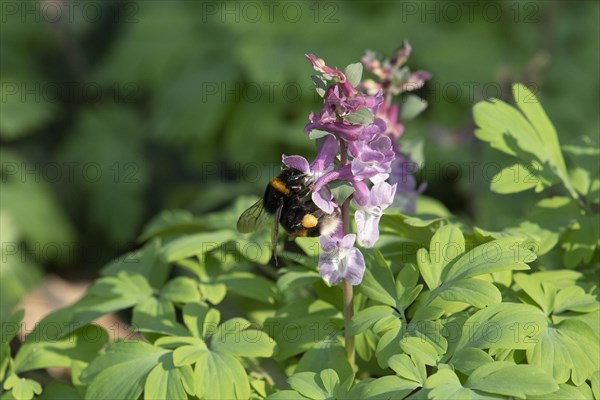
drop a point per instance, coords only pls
(113, 111)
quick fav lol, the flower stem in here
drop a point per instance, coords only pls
(346, 286)
(348, 312)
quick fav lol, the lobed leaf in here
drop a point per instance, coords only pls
(507, 379)
(504, 326)
(220, 376)
(122, 371)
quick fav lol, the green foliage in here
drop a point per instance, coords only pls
(528, 135)
(505, 306)
(444, 310)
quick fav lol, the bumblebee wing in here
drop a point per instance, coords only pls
(252, 218)
(275, 232)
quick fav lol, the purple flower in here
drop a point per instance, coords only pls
(395, 129)
(348, 132)
(401, 174)
(359, 149)
(329, 73)
(414, 81)
(341, 260)
(367, 217)
(321, 164)
(372, 160)
(392, 75)
(337, 106)
(322, 195)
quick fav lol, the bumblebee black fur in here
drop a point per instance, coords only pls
(287, 198)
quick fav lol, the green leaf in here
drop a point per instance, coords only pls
(166, 381)
(505, 378)
(323, 385)
(527, 134)
(362, 116)
(200, 319)
(596, 384)
(128, 289)
(82, 344)
(255, 248)
(60, 391)
(317, 133)
(504, 127)
(174, 342)
(327, 354)
(307, 384)
(11, 326)
(353, 73)
(144, 261)
(495, 256)
(188, 354)
(574, 298)
(423, 340)
(567, 392)
(122, 371)
(386, 387)
(420, 350)
(476, 292)
(468, 359)
(581, 241)
(311, 247)
(568, 350)
(411, 107)
(169, 223)
(341, 192)
(504, 326)
(181, 289)
(366, 318)
(5, 358)
(250, 285)
(427, 313)
(297, 326)
(238, 337)
(543, 293)
(220, 376)
(581, 180)
(196, 245)
(213, 292)
(408, 368)
(158, 316)
(293, 278)
(407, 289)
(410, 229)
(446, 244)
(560, 279)
(378, 281)
(330, 380)
(445, 385)
(536, 115)
(286, 395)
(320, 85)
(514, 179)
(259, 386)
(22, 388)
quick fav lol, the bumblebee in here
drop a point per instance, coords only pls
(287, 199)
